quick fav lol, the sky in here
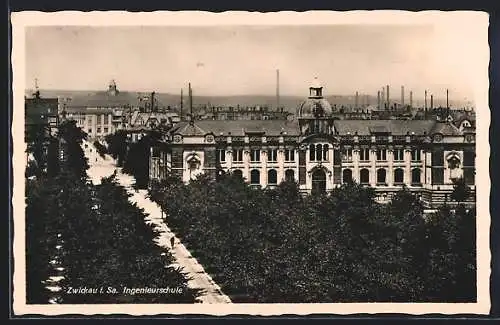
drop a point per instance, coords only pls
(240, 60)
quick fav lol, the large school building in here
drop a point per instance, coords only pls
(320, 152)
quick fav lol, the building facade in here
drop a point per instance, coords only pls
(320, 152)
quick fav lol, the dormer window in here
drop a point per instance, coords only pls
(315, 92)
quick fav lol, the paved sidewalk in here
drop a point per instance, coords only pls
(197, 277)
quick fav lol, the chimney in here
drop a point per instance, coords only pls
(447, 104)
(432, 105)
(356, 101)
(277, 89)
(190, 101)
(378, 99)
(425, 104)
(182, 104)
(411, 98)
(402, 95)
(153, 101)
(388, 103)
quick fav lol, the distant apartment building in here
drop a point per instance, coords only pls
(41, 112)
(101, 113)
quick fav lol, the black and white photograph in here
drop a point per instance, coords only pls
(298, 163)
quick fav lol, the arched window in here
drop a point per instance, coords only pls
(238, 173)
(347, 176)
(318, 182)
(312, 152)
(381, 173)
(325, 152)
(319, 152)
(290, 175)
(415, 176)
(255, 177)
(398, 176)
(272, 177)
(364, 176)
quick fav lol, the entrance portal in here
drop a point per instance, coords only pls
(318, 182)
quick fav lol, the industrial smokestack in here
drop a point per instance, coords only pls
(402, 95)
(382, 97)
(411, 98)
(425, 104)
(153, 101)
(388, 103)
(182, 104)
(378, 99)
(356, 101)
(447, 104)
(190, 101)
(277, 88)
(432, 103)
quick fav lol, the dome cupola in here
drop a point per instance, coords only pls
(315, 105)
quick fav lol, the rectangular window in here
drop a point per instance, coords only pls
(272, 155)
(106, 130)
(99, 130)
(364, 154)
(437, 176)
(289, 155)
(381, 154)
(221, 155)
(469, 158)
(469, 176)
(438, 157)
(255, 155)
(90, 130)
(302, 175)
(399, 154)
(238, 155)
(415, 155)
(347, 154)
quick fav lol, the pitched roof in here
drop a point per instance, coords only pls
(238, 127)
(446, 128)
(396, 127)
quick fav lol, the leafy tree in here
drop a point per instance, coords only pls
(137, 162)
(71, 138)
(117, 146)
(276, 245)
(118, 250)
(101, 150)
